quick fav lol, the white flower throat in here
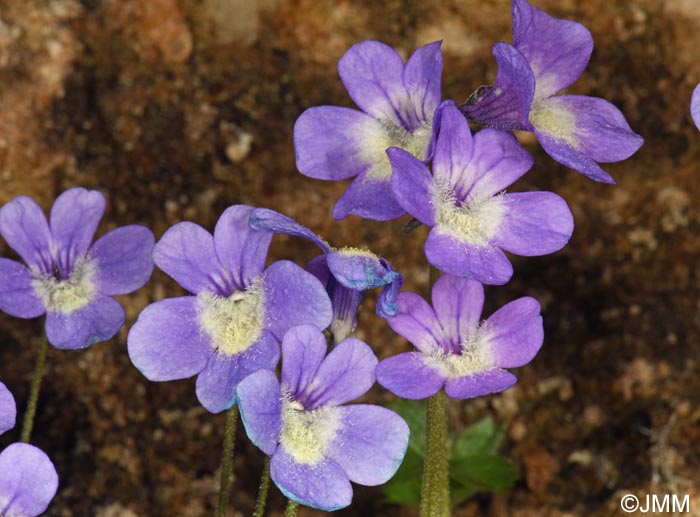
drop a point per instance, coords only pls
(66, 295)
(307, 435)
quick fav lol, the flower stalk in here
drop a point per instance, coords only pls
(435, 491)
(28, 421)
(227, 459)
(262, 492)
(291, 510)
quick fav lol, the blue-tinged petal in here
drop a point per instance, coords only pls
(267, 220)
(695, 106)
(75, 216)
(563, 153)
(370, 443)
(486, 264)
(497, 162)
(416, 322)
(587, 126)
(294, 297)
(458, 303)
(506, 104)
(17, 296)
(422, 76)
(23, 225)
(318, 266)
(8, 409)
(369, 197)
(98, 321)
(345, 374)
(166, 342)
(515, 333)
(479, 384)
(534, 223)
(412, 183)
(28, 481)
(359, 269)
(260, 404)
(557, 50)
(410, 376)
(372, 72)
(186, 253)
(303, 350)
(387, 306)
(323, 485)
(333, 143)
(241, 250)
(123, 259)
(453, 150)
(217, 382)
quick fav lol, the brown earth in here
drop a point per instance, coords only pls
(178, 109)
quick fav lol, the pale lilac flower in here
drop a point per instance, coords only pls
(695, 106)
(66, 277)
(455, 349)
(240, 311)
(318, 445)
(547, 56)
(473, 220)
(346, 272)
(28, 479)
(397, 102)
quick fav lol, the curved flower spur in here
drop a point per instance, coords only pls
(28, 478)
(318, 445)
(397, 101)
(346, 272)
(547, 56)
(66, 277)
(240, 311)
(463, 200)
(455, 349)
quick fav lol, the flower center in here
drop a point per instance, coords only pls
(306, 435)
(234, 323)
(65, 295)
(380, 136)
(474, 221)
(554, 118)
(473, 357)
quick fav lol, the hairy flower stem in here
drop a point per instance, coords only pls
(291, 510)
(262, 492)
(28, 421)
(435, 490)
(227, 459)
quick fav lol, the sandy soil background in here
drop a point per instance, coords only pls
(178, 109)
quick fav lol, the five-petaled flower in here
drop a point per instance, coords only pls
(398, 101)
(547, 56)
(317, 445)
(232, 325)
(695, 106)
(28, 479)
(472, 219)
(65, 277)
(455, 350)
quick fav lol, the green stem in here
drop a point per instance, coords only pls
(227, 459)
(291, 510)
(435, 491)
(28, 421)
(262, 493)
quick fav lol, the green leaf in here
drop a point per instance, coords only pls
(483, 436)
(413, 413)
(459, 494)
(483, 472)
(404, 487)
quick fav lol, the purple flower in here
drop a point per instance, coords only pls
(547, 56)
(455, 350)
(398, 102)
(65, 277)
(463, 200)
(233, 325)
(317, 445)
(695, 106)
(28, 479)
(346, 272)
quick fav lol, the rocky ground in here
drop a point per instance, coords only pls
(176, 109)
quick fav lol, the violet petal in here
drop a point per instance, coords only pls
(695, 106)
(411, 184)
(98, 321)
(267, 220)
(478, 384)
(458, 303)
(416, 322)
(303, 350)
(28, 482)
(515, 333)
(24, 227)
(422, 76)
(8, 409)
(371, 198)
(260, 404)
(17, 295)
(409, 376)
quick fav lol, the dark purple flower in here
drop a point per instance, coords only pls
(397, 102)
(317, 445)
(346, 272)
(463, 200)
(28, 479)
(547, 56)
(455, 350)
(695, 106)
(240, 311)
(66, 277)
